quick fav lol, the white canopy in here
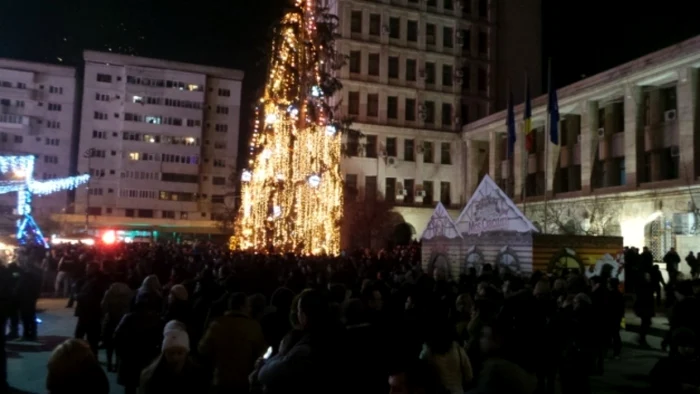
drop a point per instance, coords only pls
(440, 225)
(490, 210)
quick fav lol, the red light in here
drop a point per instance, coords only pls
(109, 237)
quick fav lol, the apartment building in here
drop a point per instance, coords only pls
(38, 117)
(160, 140)
(627, 163)
(417, 71)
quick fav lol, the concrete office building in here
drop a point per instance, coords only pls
(160, 140)
(37, 117)
(417, 71)
(627, 163)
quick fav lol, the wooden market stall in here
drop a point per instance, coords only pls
(491, 229)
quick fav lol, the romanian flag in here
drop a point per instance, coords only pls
(527, 121)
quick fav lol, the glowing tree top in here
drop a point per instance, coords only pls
(291, 197)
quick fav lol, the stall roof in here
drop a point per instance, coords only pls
(491, 210)
(440, 225)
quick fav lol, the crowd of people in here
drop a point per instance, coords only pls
(199, 319)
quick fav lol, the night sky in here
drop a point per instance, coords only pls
(582, 37)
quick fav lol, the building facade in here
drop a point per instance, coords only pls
(38, 117)
(160, 140)
(417, 71)
(626, 163)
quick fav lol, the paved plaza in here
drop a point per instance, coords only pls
(27, 360)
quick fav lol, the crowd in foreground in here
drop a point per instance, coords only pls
(200, 319)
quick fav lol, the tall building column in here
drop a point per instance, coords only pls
(573, 129)
(472, 167)
(495, 156)
(611, 173)
(519, 166)
(552, 161)
(634, 134)
(657, 118)
(686, 99)
(589, 141)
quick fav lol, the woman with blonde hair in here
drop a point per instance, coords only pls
(73, 369)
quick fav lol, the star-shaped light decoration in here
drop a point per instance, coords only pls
(23, 182)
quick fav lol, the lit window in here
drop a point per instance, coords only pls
(154, 119)
(192, 87)
(134, 156)
(138, 100)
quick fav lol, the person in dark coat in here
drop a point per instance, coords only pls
(174, 372)
(137, 341)
(5, 300)
(89, 309)
(678, 373)
(29, 287)
(276, 324)
(644, 307)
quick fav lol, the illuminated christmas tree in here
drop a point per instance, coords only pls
(292, 193)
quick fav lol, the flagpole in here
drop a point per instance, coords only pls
(523, 182)
(547, 126)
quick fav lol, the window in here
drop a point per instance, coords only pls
(394, 28)
(55, 89)
(52, 141)
(412, 31)
(54, 107)
(373, 64)
(356, 22)
(447, 73)
(410, 110)
(50, 159)
(445, 157)
(429, 73)
(446, 114)
(483, 8)
(375, 24)
(351, 181)
(221, 128)
(105, 97)
(390, 189)
(100, 115)
(194, 122)
(447, 37)
(466, 40)
(428, 191)
(168, 214)
(18, 139)
(392, 107)
(353, 103)
(409, 150)
(224, 92)
(427, 152)
(220, 109)
(373, 105)
(429, 112)
(447, 5)
(430, 34)
(355, 62)
(445, 194)
(99, 134)
(391, 147)
(371, 188)
(483, 44)
(353, 145)
(482, 80)
(411, 69)
(19, 104)
(393, 67)
(104, 78)
(466, 78)
(371, 147)
(408, 186)
(218, 180)
(219, 163)
(219, 145)
(52, 124)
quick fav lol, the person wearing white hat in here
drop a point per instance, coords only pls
(174, 372)
(174, 325)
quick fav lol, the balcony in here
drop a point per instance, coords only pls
(17, 93)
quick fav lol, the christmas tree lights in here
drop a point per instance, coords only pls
(292, 193)
(21, 170)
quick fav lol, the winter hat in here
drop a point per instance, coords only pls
(179, 292)
(176, 338)
(174, 325)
